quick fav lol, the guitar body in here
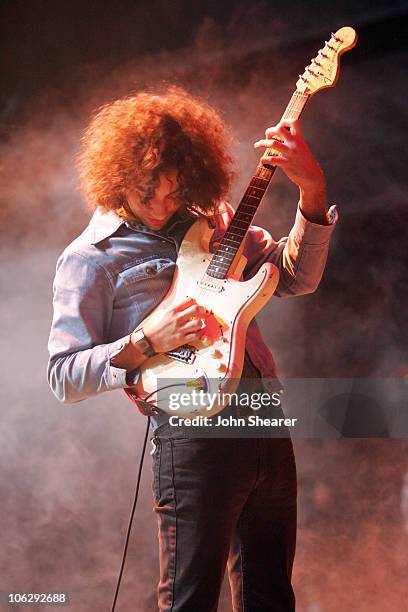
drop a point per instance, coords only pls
(214, 364)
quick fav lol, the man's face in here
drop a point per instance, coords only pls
(162, 205)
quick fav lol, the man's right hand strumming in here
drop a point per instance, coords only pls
(182, 324)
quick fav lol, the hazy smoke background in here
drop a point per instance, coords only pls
(68, 472)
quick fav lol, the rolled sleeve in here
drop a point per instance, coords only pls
(314, 233)
(299, 257)
(79, 365)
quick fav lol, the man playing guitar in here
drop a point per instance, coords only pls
(151, 165)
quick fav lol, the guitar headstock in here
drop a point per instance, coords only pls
(323, 70)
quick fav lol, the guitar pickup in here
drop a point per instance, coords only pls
(184, 353)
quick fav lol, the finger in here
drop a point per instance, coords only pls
(277, 145)
(274, 160)
(194, 311)
(194, 335)
(280, 130)
(293, 125)
(192, 326)
(187, 303)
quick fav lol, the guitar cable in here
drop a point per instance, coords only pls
(131, 515)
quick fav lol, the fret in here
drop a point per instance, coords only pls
(232, 247)
(246, 200)
(267, 172)
(251, 193)
(247, 196)
(235, 228)
(220, 264)
(291, 110)
(221, 260)
(217, 272)
(295, 106)
(236, 220)
(260, 182)
(237, 223)
(228, 255)
(242, 223)
(260, 178)
(227, 239)
(253, 206)
(245, 209)
(257, 188)
(236, 234)
(244, 218)
(240, 227)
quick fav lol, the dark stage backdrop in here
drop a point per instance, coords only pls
(68, 472)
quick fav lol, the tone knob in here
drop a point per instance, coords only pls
(216, 354)
(222, 368)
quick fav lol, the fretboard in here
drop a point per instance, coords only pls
(222, 259)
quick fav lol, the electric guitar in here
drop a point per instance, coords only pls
(198, 379)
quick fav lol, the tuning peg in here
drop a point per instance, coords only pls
(329, 46)
(336, 38)
(308, 69)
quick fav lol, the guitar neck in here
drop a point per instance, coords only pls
(240, 223)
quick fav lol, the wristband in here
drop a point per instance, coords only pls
(139, 339)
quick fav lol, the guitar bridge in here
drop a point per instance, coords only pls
(184, 353)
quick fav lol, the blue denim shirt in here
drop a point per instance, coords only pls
(115, 273)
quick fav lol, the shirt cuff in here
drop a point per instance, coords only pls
(132, 377)
(315, 233)
(116, 378)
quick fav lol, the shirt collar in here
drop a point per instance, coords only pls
(104, 224)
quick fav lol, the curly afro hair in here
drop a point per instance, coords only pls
(130, 141)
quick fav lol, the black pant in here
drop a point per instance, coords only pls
(224, 502)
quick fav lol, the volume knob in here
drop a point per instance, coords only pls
(216, 354)
(222, 368)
